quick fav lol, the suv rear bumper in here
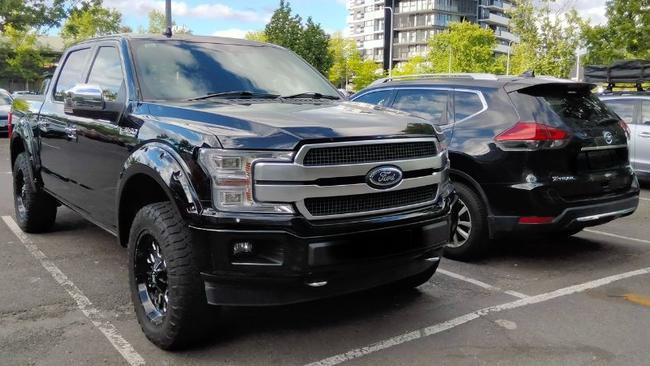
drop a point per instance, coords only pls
(572, 218)
(306, 267)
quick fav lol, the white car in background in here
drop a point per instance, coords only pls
(634, 109)
(5, 107)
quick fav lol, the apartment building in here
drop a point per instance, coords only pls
(415, 21)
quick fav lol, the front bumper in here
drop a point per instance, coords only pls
(571, 218)
(321, 262)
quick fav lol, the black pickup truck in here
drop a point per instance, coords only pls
(233, 172)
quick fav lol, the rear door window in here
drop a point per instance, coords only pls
(625, 108)
(425, 103)
(375, 98)
(466, 104)
(71, 73)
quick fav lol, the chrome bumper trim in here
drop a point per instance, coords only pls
(605, 215)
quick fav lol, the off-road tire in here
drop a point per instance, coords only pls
(188, 316)
(35, 209)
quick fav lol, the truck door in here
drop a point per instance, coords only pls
(642, 146)
(53, 127)
(100, 149)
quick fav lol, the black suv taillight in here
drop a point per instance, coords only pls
(532, 136)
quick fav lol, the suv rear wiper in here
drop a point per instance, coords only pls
(235, 94)
(312, 95)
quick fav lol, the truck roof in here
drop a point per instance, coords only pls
(179, 37)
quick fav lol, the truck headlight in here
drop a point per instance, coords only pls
(232, 179)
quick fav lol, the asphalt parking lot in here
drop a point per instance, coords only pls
(585, 300)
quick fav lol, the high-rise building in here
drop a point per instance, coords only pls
(369, 23)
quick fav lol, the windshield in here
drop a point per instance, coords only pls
(177, 70)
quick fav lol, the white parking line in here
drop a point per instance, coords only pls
(617, 236)
(83, 303)
(480, 283)
(441, 327)
(644, 199)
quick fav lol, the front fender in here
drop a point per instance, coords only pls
(161, 163)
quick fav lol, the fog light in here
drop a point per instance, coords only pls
(242, 247)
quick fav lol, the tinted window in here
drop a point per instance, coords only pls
(107, 73)
(375, 98)
(183, 70)
(645, 117)
(466, 104)
(428, 104)
(624, 109)
(71, 73)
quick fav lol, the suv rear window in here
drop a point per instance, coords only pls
(554, 104)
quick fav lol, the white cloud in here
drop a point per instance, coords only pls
(231, 33)
(182, 8)
(594, 10)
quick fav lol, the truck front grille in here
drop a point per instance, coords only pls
(369, 203)
(359, 154)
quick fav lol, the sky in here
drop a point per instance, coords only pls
(234, 18)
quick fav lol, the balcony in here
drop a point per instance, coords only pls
(496, 20)
(510, 37)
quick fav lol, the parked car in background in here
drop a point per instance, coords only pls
(21, 93)
(5, 107)
(233, 172)
(528, 155)
(634, 109)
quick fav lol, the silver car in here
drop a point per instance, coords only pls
(5, 107)
(634, 109)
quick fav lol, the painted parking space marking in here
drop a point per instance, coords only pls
(463, 319)
(644, 199)
(111, 333)
(617, 236)
(480, 283)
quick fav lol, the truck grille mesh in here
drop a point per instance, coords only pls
(342, 205)
(359, 154)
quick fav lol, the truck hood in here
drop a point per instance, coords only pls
(280, 125)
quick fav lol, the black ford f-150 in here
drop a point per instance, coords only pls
(233, 172)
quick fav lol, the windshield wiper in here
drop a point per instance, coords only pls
(607, 120)
(312, 95)
(236, 94)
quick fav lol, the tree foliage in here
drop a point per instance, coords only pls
(548, 38)
(415, 65)
(626, 35)
(349, 70)
(463, 47)
(89, 20)
(25, 60)
(158, 24)
(258, 36)
(309, 40)
(26, 15)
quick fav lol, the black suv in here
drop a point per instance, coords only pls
(528, 155)
(234, 173)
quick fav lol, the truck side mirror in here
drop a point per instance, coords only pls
(83, 98)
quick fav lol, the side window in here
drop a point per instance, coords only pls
(623, 108)
(428, 104)
(71, 73)
(107, 74)
(466, 104)
(645, 116)
(375, 98)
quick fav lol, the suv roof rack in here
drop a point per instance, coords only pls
(475, 76)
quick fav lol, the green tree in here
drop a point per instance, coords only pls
(258, 36)
(285, 29)
(27, 15)
(626, 35)
(349, 70)
(548, 38)
(89, 20)
(26, 60)
(415, 65)
(158, 24)
(464, 47)
(313, 48)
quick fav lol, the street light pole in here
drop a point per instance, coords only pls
(390, 49)
(508, 62)
(168, 18)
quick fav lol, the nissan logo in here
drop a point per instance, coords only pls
(609, 137)
(384, 177)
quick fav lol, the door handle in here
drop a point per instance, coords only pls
(645, 134)
(43, 125)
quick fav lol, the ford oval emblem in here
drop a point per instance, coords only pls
(384, 177)
(609, 137)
